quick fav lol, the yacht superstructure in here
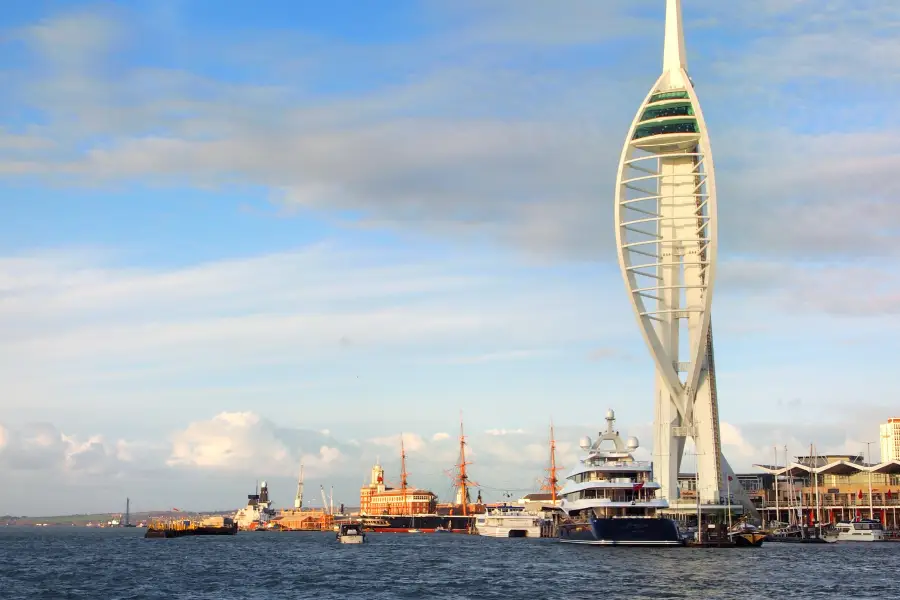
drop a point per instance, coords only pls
(508, 521)
(859, 530)
(611, 499)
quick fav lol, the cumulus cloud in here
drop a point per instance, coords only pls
(43, 447)
(219, 455)
(733, 442)
(243, 441)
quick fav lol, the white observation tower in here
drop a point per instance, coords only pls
(665, 210)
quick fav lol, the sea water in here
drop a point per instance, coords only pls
(110, 564)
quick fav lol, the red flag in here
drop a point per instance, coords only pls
(637, 486)
(859, 495)
(729, 478)
(889, 494)
(175, 510)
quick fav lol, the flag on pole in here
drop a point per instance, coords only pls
(729, 478)
(859, 495)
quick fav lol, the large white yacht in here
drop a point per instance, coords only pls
(858, 530)
(610, 498)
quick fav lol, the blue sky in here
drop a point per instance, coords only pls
(227, 230)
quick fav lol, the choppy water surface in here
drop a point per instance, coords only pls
(118, 564)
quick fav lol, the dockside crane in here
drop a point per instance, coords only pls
(324, 499)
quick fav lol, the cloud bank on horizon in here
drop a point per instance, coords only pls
(230, 452)
(274, 215)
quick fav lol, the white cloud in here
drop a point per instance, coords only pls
(498, 432)
(523, 167)
(506, 355)
(733, 442)
(43, 447)
(235, 440)
(75, 39)
(438, 437)
(233, 448)
(76, 319)
(412, 442)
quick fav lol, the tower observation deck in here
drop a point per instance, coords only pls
(666, 236)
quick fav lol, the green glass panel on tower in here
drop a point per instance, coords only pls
(677, 109)
(665, 127)
(679, 95)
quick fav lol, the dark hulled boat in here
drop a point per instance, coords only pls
(619, 531)
(423, 523)
(209, 526)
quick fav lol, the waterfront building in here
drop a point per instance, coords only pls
(831, 488)
(304, 519)
(665, 214)
(754, 485)
(889, 434)
(376, 498)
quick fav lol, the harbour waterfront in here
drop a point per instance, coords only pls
(118, 563)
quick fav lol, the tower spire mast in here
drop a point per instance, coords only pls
(674, 53)
(666, 238)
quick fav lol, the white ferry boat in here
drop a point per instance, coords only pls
(610, 498)
(858, 530)
(508, 521)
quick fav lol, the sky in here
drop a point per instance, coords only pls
(237, 237)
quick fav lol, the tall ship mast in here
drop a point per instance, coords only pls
(403, 475)
(461, 482)
(551, 484)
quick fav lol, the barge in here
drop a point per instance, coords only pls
(182, 528)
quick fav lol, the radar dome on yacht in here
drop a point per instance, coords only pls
(632, 443)
(585, 443)
(610, 414)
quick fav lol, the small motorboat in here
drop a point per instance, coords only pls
(745, 534)
(351, 533)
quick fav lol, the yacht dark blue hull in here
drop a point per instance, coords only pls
(622, 532)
